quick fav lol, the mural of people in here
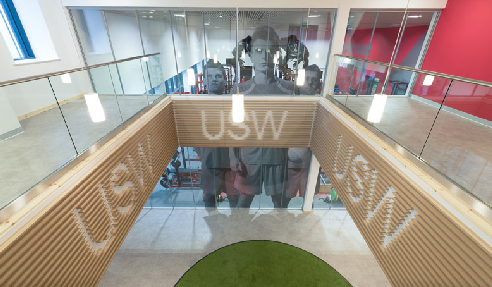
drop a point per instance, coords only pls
(313, 78)
(215, 77)
(217, 175)
(258, 168)
(262, 48)
(298, 168)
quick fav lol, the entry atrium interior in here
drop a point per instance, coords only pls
(139, 139)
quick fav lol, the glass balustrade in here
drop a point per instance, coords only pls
(35, 140)
(48, 121)
(443, 120)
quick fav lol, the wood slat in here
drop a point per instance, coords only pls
(52, 250)
(433, 249)
(206, 121)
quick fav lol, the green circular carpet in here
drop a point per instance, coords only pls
(261, 263)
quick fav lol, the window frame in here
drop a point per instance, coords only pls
(21, 40)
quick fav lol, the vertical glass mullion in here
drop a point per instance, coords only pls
(143, 53)
(174, 48)
(368, 51)
(112, 50)
(397, 46)
(205, 51)
(423, 52)
(333, 15)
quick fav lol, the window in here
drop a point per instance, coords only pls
(13, 32)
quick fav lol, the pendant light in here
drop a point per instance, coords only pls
(190, 73)
(377, 108)
(65, 78)
(96, 110)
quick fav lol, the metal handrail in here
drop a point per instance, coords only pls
(32, 78)
(425, 72)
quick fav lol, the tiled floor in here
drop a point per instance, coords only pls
(164, 243)
(458, 147)
(45, 144)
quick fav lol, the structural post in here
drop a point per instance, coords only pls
(337, 40)
(312, 181)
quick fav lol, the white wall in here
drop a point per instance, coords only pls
(58, 27)
(33, 95)
(37, 32)
(25, 98)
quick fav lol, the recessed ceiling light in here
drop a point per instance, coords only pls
(179, 15)
(415, 16)
(151, 12)
(314, 16)
(206, 24)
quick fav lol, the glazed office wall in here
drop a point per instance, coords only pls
(186, 41)
(381, 49)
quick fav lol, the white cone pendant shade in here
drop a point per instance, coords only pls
(377, 108)
(95, 108)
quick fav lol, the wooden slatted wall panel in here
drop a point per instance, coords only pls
(72, 242)
(415, 240)
(206, 121)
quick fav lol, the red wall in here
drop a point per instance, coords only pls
(383, 43)
(410, 38)
(462, 42)
(461, 46)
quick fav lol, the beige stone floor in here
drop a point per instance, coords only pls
(45, 145)
(164, 243)
(458, 147)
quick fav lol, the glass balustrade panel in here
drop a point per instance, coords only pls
(457, 145)
(34, 140)
(91, 110)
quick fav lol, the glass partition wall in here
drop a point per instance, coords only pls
(287, 41)
(397, 37)
(218, 52)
